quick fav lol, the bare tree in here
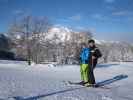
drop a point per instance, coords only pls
(32, 31)
(73, 46)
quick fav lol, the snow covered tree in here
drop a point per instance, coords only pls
(73, 46)
(116, 51)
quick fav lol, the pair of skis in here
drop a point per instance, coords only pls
(70, 83)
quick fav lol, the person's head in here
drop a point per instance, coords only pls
(91, 43)
(83, 45)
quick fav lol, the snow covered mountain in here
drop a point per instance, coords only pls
(62, 33)
(111, 50)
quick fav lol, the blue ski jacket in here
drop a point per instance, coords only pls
(85, 55)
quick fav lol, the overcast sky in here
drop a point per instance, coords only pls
(107, 19)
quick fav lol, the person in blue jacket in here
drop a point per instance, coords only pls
(84, 65)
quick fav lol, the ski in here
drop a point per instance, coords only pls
(70, 83)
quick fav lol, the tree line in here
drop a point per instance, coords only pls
(29, 38)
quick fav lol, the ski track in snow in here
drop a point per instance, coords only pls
(18, 81)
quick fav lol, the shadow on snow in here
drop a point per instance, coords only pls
(112, 80)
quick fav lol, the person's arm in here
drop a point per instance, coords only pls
(97, 53)
(80, 56)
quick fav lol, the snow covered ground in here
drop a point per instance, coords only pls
(18, 81)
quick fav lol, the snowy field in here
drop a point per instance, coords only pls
(18, 81)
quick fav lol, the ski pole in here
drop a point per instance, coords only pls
(92, 63)
(92, 59)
